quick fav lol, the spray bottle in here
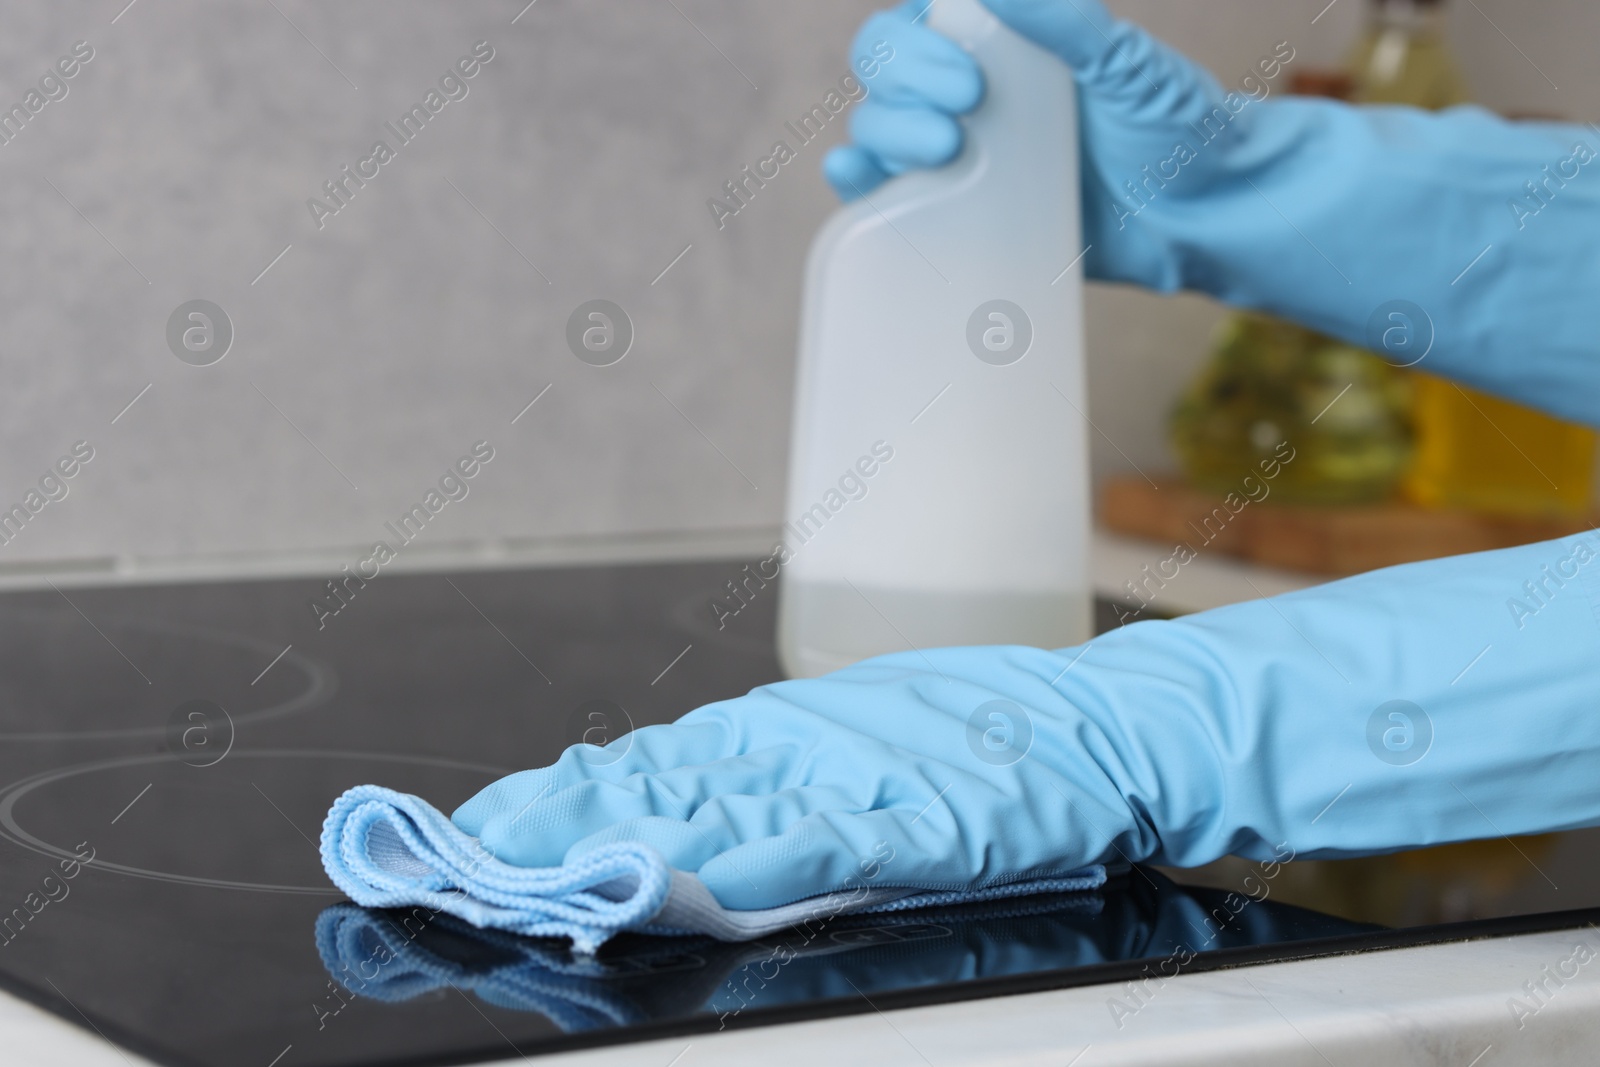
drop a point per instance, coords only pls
(938, 481)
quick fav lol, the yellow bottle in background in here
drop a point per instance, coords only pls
(1473, 450)
(1479, 452)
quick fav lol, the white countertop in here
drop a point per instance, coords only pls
(1207, 581)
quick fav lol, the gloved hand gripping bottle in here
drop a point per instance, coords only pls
(938, 479)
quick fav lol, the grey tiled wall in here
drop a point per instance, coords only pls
(427, 312)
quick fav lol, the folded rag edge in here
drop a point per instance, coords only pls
(691, 909)
(388, 849)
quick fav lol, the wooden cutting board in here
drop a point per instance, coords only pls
(1322, 540)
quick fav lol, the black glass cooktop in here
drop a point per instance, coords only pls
(167, 754)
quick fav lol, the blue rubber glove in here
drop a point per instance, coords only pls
(1310, 209)
(1263, 729)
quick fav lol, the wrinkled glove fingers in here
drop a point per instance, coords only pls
(927, 78)
(829, 852)
(502, 796)
(643, 751)
(911, 64)
(546, 825)
(853, 172)
(905, 136)
(720, 824)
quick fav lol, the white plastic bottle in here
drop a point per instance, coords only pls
(942, 326)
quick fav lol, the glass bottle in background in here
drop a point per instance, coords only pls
(1474, 450)
(1344, 411)
(1403, 58)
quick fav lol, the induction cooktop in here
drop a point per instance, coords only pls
(167, 754)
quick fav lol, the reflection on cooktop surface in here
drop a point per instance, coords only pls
(416, 958)
(169, 753)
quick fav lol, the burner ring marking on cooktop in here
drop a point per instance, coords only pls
(13, 832)
(322, 681)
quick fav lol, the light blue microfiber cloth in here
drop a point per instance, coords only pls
(387, 849)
